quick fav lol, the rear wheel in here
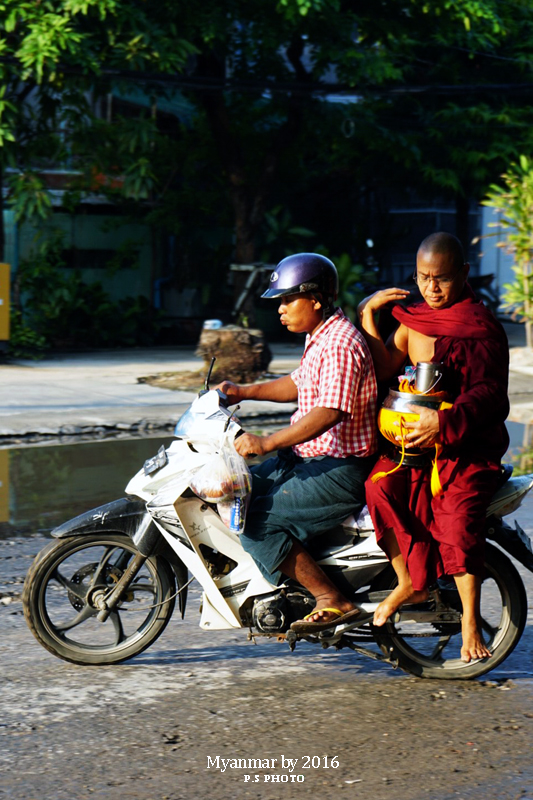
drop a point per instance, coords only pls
(59, 599)
(433, 651)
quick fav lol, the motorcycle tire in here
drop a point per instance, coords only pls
(58, 607)
(436, 653)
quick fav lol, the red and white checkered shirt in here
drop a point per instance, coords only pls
(336, 371)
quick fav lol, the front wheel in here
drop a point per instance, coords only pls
(63, 582)
(433, 651)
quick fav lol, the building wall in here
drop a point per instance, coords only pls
(90, 241)
(494, 259)
(410, 225)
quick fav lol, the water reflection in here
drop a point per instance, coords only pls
(42, 487)
(521, 447)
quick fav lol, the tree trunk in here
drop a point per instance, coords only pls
(241, 354)
(245, 231)
(2, 227)
(250, 199)
(462, 222)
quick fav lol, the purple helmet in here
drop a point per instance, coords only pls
(304, 272)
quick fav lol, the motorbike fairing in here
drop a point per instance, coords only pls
(514, 540)
(128, 516)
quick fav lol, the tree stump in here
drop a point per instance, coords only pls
(242, 354)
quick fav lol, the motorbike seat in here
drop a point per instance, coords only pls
(506, 472)
(336, 537)
(345, 534)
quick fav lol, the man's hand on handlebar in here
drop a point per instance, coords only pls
(232, 390)
(248, 445)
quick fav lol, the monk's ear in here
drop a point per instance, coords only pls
(466, 270)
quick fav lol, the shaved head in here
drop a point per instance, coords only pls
(443, 244)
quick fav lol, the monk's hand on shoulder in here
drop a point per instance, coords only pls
(380, 299)
(423, 432)
(248, 445)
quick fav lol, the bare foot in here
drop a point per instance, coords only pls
(473, 645)
(398, 596)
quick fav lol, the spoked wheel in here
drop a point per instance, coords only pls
(60, 591)
(434, 651)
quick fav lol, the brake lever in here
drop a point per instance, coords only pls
(226, 426)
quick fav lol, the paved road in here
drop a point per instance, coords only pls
(87, 393)
(83, 393)
(144, 730)
(152, 729)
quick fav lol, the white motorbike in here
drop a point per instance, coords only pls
(105, 589)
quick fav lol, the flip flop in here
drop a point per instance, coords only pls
(303, 626)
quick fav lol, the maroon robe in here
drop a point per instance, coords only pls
(444, 534)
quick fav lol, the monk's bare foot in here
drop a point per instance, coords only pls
(473, 645)
(397, 598)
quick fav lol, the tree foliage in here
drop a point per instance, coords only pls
(514, 203)
(51, 59)
(57, 309)
(256, 75)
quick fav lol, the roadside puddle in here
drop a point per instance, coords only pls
(42, 486)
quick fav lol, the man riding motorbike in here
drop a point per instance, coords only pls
(324, 456)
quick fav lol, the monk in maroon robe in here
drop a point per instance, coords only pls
(427, 536)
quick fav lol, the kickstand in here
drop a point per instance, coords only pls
(364, 651)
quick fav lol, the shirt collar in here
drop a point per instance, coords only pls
(324, 327)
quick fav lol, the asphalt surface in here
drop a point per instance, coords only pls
(158, 726)
(163, 726)
(75, 394)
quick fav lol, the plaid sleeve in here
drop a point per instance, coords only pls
(339, 378)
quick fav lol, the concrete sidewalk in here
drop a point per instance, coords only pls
(95, 393)
(92, 394)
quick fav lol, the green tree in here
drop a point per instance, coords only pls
(514, 202)
(51, 56)
(256, 73)
(459, 113)
(268, 73)
(479, 116)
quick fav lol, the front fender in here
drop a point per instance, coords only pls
(130, 517)
(124, 515)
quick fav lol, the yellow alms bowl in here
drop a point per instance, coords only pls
(395, 409)
(386, 419)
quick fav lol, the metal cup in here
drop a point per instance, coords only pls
(427, 376)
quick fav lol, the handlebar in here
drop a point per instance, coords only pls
(223, 398)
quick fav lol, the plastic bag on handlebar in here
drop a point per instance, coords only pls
(241, 476)
(233, 512)
(213, 481)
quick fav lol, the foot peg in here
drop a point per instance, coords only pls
(291, 637)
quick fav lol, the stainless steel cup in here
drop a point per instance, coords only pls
(427, 376)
